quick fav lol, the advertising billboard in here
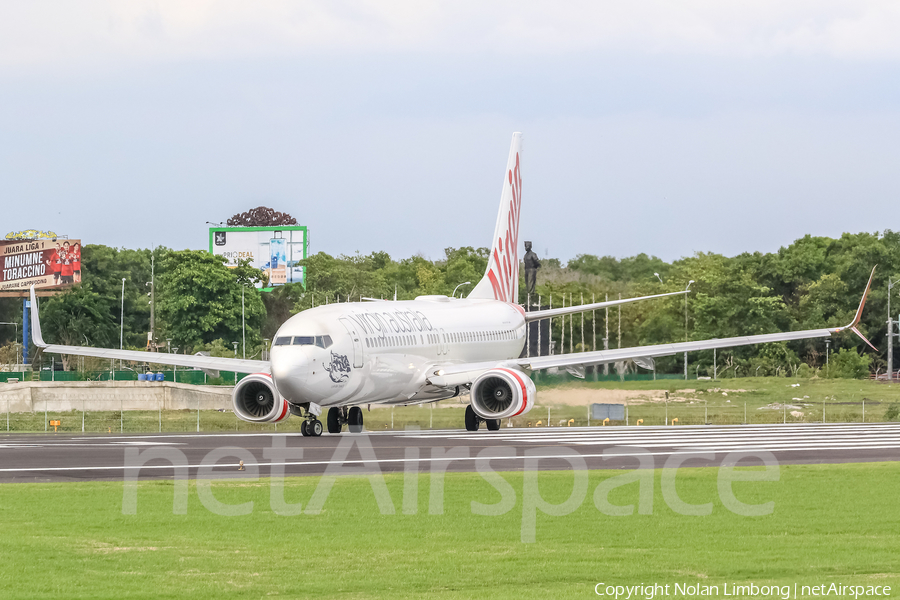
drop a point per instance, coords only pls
(44, 263)
(276, 250)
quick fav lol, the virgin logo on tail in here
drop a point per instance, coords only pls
(501, 279)
(503, 270)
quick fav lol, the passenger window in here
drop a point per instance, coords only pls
(283, 341)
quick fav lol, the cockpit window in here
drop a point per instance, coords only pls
(322, 341)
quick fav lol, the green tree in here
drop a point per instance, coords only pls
(848, 364)
(79, 317)
(199, 299)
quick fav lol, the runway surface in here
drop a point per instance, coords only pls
(59, 457)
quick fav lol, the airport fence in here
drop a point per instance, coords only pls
(114, 417)
(189, 376)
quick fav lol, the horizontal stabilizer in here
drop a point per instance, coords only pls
(537, 315)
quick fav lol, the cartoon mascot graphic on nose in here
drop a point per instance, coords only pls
(339, 368)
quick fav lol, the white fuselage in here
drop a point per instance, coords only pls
(383, 352)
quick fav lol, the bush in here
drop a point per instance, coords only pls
(847, 364)
(893, 412)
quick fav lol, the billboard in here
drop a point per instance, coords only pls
(44, 263)
(276, 250)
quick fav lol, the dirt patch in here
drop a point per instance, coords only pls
(585, 396)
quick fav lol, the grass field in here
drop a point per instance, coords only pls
(751, 400)
(837, 523)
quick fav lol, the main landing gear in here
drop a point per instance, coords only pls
(473, 421)
(352, 417)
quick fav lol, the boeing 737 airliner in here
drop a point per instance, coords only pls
(344, 356)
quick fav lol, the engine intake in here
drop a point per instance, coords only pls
(255, 399)
(502, 393)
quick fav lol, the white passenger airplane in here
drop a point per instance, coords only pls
(343, 356)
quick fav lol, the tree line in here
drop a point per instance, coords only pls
(814, 282)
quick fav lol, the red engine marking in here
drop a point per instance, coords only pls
(522, 385)
(284, 410)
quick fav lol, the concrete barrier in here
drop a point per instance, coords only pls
(61, 396)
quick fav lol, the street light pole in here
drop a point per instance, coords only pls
(686, 326)
(122, 322)
(152, 301)
(890, 333)
(243, 325)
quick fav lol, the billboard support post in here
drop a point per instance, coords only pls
(26, 304)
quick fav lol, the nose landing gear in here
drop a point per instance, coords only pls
(311, 427)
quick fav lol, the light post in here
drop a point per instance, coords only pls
(757, 370)
(235, 355)
(715, 366)
(265, 348)
(686, 326)
(243, 326)
(122, 322)
(827, 351)
(658, 277)
(457, 287)
(890, 333)
(16, 339)
(152, 285)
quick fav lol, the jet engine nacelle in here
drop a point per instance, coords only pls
(256, 400)
(502, 393)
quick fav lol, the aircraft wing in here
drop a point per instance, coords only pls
(460, 374)
(211, 363)
(577, 360)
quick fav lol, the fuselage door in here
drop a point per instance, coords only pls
(445, 345)
(357, 342)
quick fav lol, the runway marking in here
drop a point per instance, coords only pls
(404, 460)
(662, 441)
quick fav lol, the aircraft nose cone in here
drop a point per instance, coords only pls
(290, 370)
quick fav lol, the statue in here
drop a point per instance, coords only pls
(532, 264)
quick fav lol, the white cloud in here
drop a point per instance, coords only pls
(62, 33)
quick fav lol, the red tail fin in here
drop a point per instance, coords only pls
(501, 279)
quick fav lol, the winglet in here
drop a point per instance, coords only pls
(856, 319)
(36, 322)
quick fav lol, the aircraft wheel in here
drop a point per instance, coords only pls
(334, 420)
(314, 428)
(493, 424)
(472, 420)
(355, 419)
(303, 430)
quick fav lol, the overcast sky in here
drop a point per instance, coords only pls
(650, 126)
